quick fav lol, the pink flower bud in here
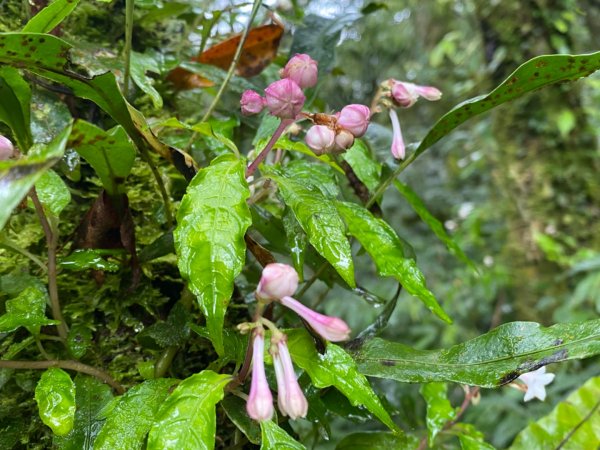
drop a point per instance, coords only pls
(6, 148)
(429, 92)
(277, 281)
(284, 99)
(355, 119)
(320, 139)
(406, 94)
(331, 328)
(302, 69)
(344, 139)
(260, 401)
(252, 102)
(398, 149)
(290, 398)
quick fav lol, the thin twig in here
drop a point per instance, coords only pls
(265, 151)
(10, 245)
(383, 186)
(65, 364)
(129, 4)
(52, 242)
(161, 185)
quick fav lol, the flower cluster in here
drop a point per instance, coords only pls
(6, 148)
(278, 283)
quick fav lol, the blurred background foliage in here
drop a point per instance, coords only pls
(518, 187)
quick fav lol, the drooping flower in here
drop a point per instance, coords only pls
(252, 102)
(284, 98)
(260, 401)
(398, 148)
(536, 382)
(6, 148)
(290, 398)
(320, 138)
(355, 119)
(302, 69)
(406, 94)
(277, 281)
(331, 328)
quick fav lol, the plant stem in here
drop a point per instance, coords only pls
(383, 186)
(161, 185)
(129, 4)
(265, 151)
(52, 242)
(65, 364)
(10, 245)
(164, 361)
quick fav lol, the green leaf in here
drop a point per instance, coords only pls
(533, 74)
(110, 153)
(336, 368)
(320, 220)
(202, 128)
(53, 193)
(26, 310)
(91, 395)
(297, 241)
(489, 360)
(187, 419)
(318, 176)
(439, 409)
(79, 340)
(86, 259)
(275, 438)
(17, 177)
(235, 408)
(366, 168)
(15, 106)
(48, 18)
(209, 238)
(55, 397)
(378, 440)
(573, 424)
(434, 224)
(384, 246)
(130, 417)
(165, 333)
(140, 64)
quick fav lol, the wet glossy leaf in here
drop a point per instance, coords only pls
(91, 395)
(533, 74)
(490, 360)
(15, 106)
(297, 241)
(55, 397)
(130, 417)
(434, 224)
(110, 153)
(164, 333)
(320, 220)
(366, 168)
(86, 259)
(439, 409)
(187, 421)
(573, 424)
(235, 408)
(18, 177)
(318, 176)
(53, 193)
(28, 310)
(202, 128)
(209, 238)
(276, 438)
(336, 368)
(378, 440)
(386, 249)
(49, 17)
(79, 340)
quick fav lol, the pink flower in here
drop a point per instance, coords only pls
(277, 281)
(398, 149)
(6, 148)
(284, 99)
(320, 138)
(536, 382)
(355, 119)
(260, 401)
(251, 102)
(302, 69)
(406, 94)
(331, 328)
(344, 139)
(290, 398)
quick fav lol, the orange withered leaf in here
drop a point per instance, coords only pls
(259, 50)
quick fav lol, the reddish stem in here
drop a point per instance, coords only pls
(263, 154)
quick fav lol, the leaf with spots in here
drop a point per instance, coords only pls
(490, 360)
(533, 74)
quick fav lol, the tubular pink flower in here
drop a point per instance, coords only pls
(331, 328)
(6, 148)
(344, 140)
(251, 102)
(398, 149)
(290, 398)
(260, 401)
(355, 119)
(302, 69)
(284, 99)
(406, 94)
(428, 92)
(320, 139)
(277, 281)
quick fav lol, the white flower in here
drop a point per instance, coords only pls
(536, 382)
